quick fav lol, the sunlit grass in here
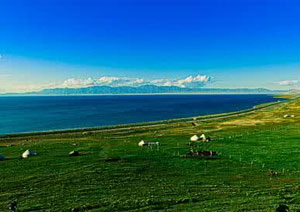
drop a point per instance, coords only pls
(158, 178)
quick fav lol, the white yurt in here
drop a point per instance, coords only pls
(194, 138)
(141, 143)
(28, 153)
(148, 143)
(202, 137)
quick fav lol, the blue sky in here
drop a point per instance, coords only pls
(236, 43)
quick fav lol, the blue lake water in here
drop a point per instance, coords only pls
(36, 113)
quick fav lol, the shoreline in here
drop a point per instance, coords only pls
(143, 94)
(150, 123)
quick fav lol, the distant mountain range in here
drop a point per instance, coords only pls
(146, 89)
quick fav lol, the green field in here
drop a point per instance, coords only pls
(113, 174)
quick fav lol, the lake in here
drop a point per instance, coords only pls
(43, 113)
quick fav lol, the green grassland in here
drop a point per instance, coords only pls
(113, 174)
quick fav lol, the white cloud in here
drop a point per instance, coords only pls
(119, 81)
(197, 81)
(191, 81)
(77, 83)
(288, 82)
(162, 82)
(108, 80)
(188, 82)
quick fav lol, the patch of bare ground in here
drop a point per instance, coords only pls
(242, 122)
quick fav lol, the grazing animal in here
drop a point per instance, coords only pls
(12, 206)
(202, 153)
(272, 172)
(194, 124)
(74, 153)
(282, 208)
(2, 157)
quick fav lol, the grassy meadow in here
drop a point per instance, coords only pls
(113, 173)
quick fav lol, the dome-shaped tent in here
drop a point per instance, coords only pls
(203, 138)
(194, 138)
(28, 153)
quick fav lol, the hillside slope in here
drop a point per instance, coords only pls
(113, 174)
